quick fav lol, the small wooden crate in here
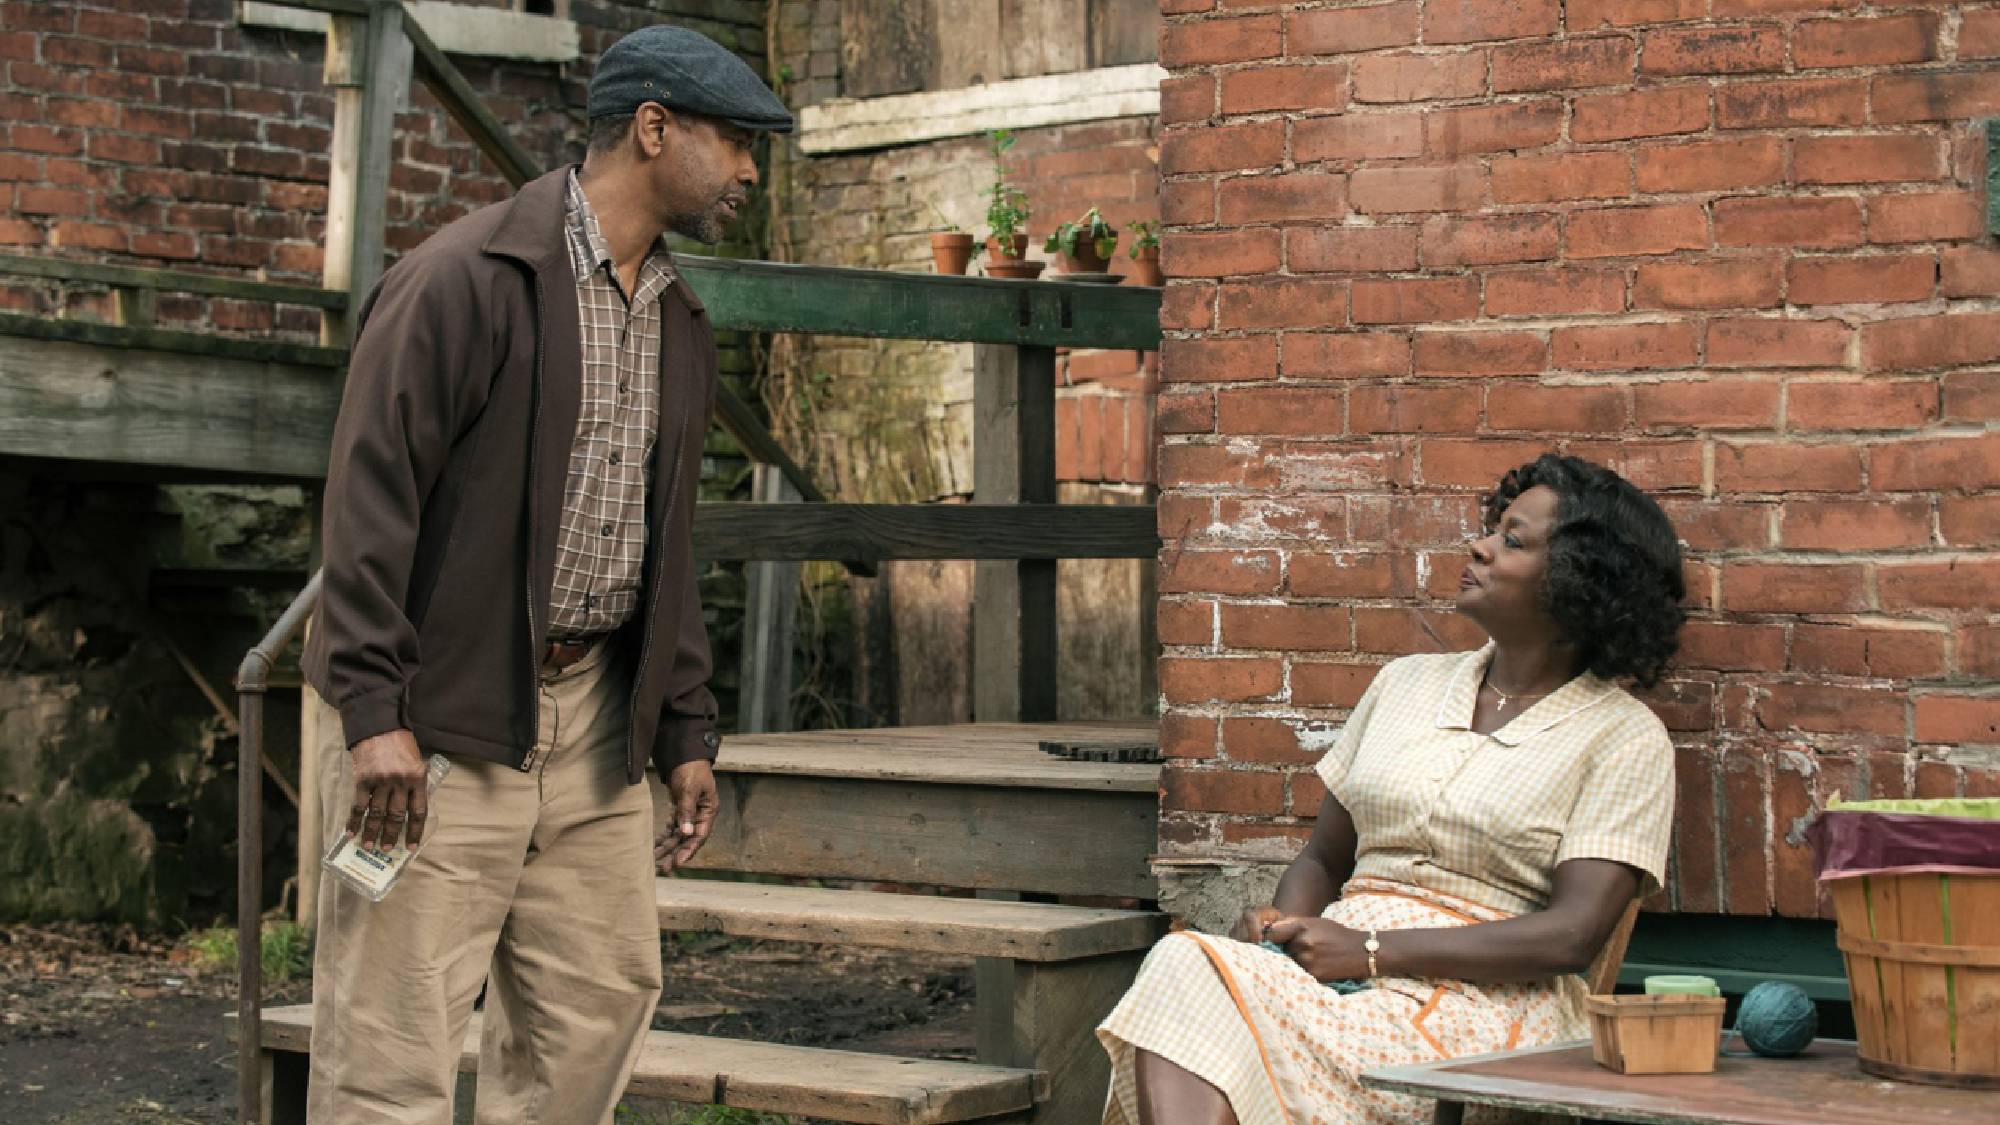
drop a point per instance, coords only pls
(1655, 1034)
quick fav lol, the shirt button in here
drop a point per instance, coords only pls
(615, 458)
(621, 388)
(605, 531)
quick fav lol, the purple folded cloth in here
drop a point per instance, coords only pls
(1853, 843)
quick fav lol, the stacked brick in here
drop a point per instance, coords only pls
(163, 133)
(1736, 249)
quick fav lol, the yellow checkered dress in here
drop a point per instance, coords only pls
(1454, 828)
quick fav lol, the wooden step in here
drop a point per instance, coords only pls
(774, 1078)
(977, 805)
(1000, 754)
(1020, 931)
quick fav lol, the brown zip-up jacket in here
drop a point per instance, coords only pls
(444, 495)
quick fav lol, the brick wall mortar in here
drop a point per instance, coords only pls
(1741, 257)
(161, 133)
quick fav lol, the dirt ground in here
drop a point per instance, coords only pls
(107, 1024)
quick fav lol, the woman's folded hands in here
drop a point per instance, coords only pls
(1321, 946)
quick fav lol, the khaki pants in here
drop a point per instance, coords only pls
(537, 883)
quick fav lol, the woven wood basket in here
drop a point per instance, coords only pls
(1655, 1034)
(1923, 964)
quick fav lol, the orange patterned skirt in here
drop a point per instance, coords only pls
(1287, 1050)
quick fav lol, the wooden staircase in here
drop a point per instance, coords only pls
(977, 806)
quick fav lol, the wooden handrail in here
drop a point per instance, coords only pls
(175, 281)
(253, 677)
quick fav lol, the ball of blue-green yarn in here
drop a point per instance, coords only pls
(1777, 1020)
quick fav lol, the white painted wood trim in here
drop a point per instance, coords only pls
(850, 124)
(488, 32)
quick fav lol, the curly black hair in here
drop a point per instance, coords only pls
(1615, 583)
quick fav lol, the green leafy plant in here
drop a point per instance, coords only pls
(1145, 235)
(1007, 208)
(1090, 229)
(285, 950)
(699, 1115)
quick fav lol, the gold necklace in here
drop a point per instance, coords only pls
(1505, 699)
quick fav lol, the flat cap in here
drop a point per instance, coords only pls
(685, 70)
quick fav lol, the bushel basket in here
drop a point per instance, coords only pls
(1917, 899)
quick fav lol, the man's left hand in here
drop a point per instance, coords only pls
(692, 785)
(1324, 948)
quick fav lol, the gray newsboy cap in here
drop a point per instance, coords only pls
(686, 70)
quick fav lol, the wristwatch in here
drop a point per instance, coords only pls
(1373, 947)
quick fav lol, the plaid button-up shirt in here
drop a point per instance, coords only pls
(601, 548)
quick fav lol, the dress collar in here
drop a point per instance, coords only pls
(1462, 696)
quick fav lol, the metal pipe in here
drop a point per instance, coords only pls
(253, 678)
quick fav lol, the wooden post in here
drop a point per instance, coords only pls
(136, 305)
(1149, 620)
(368, 65)
(770, 609)
(282, 1076)
(1014, 462)
(1050, 1026)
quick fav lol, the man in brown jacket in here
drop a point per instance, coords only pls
(509, 582)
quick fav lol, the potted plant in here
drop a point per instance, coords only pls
(1007, 219)
(951, 248)
(1086, 244)
(1146, 253)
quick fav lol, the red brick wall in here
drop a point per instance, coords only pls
(1734, 248)
(159, 132)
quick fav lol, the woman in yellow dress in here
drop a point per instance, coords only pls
(1489, 815)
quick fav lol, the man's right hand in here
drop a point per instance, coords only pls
(1250, 927)
(389, 791)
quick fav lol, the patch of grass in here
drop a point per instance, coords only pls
(286, 950)
(699, 1115)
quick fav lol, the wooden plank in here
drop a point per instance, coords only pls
(1026, 931)
(878, 532)
(1014, 608)
(82, 403)
(834, 301)
(1123, 32)
(168, 340)
(1975, 918)
(368, 62)
(967, 52)
(998, 754)
(885, 46)
(1821, 1087)
(1927, 1020)
(176, 281)
(1051, 1027)
(463, 103)
(770, 614)
(990, 837)
(772, 1077)
(1044, 36)
(742, 423)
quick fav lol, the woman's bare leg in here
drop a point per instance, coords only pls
(1170, 1095)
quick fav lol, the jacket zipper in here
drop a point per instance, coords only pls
(646, 644)
(534, 481)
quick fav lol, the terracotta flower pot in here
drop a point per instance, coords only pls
(1146, 267)
(1017, 269)
(951, 251)
(1086, 259)
(1017, 252)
